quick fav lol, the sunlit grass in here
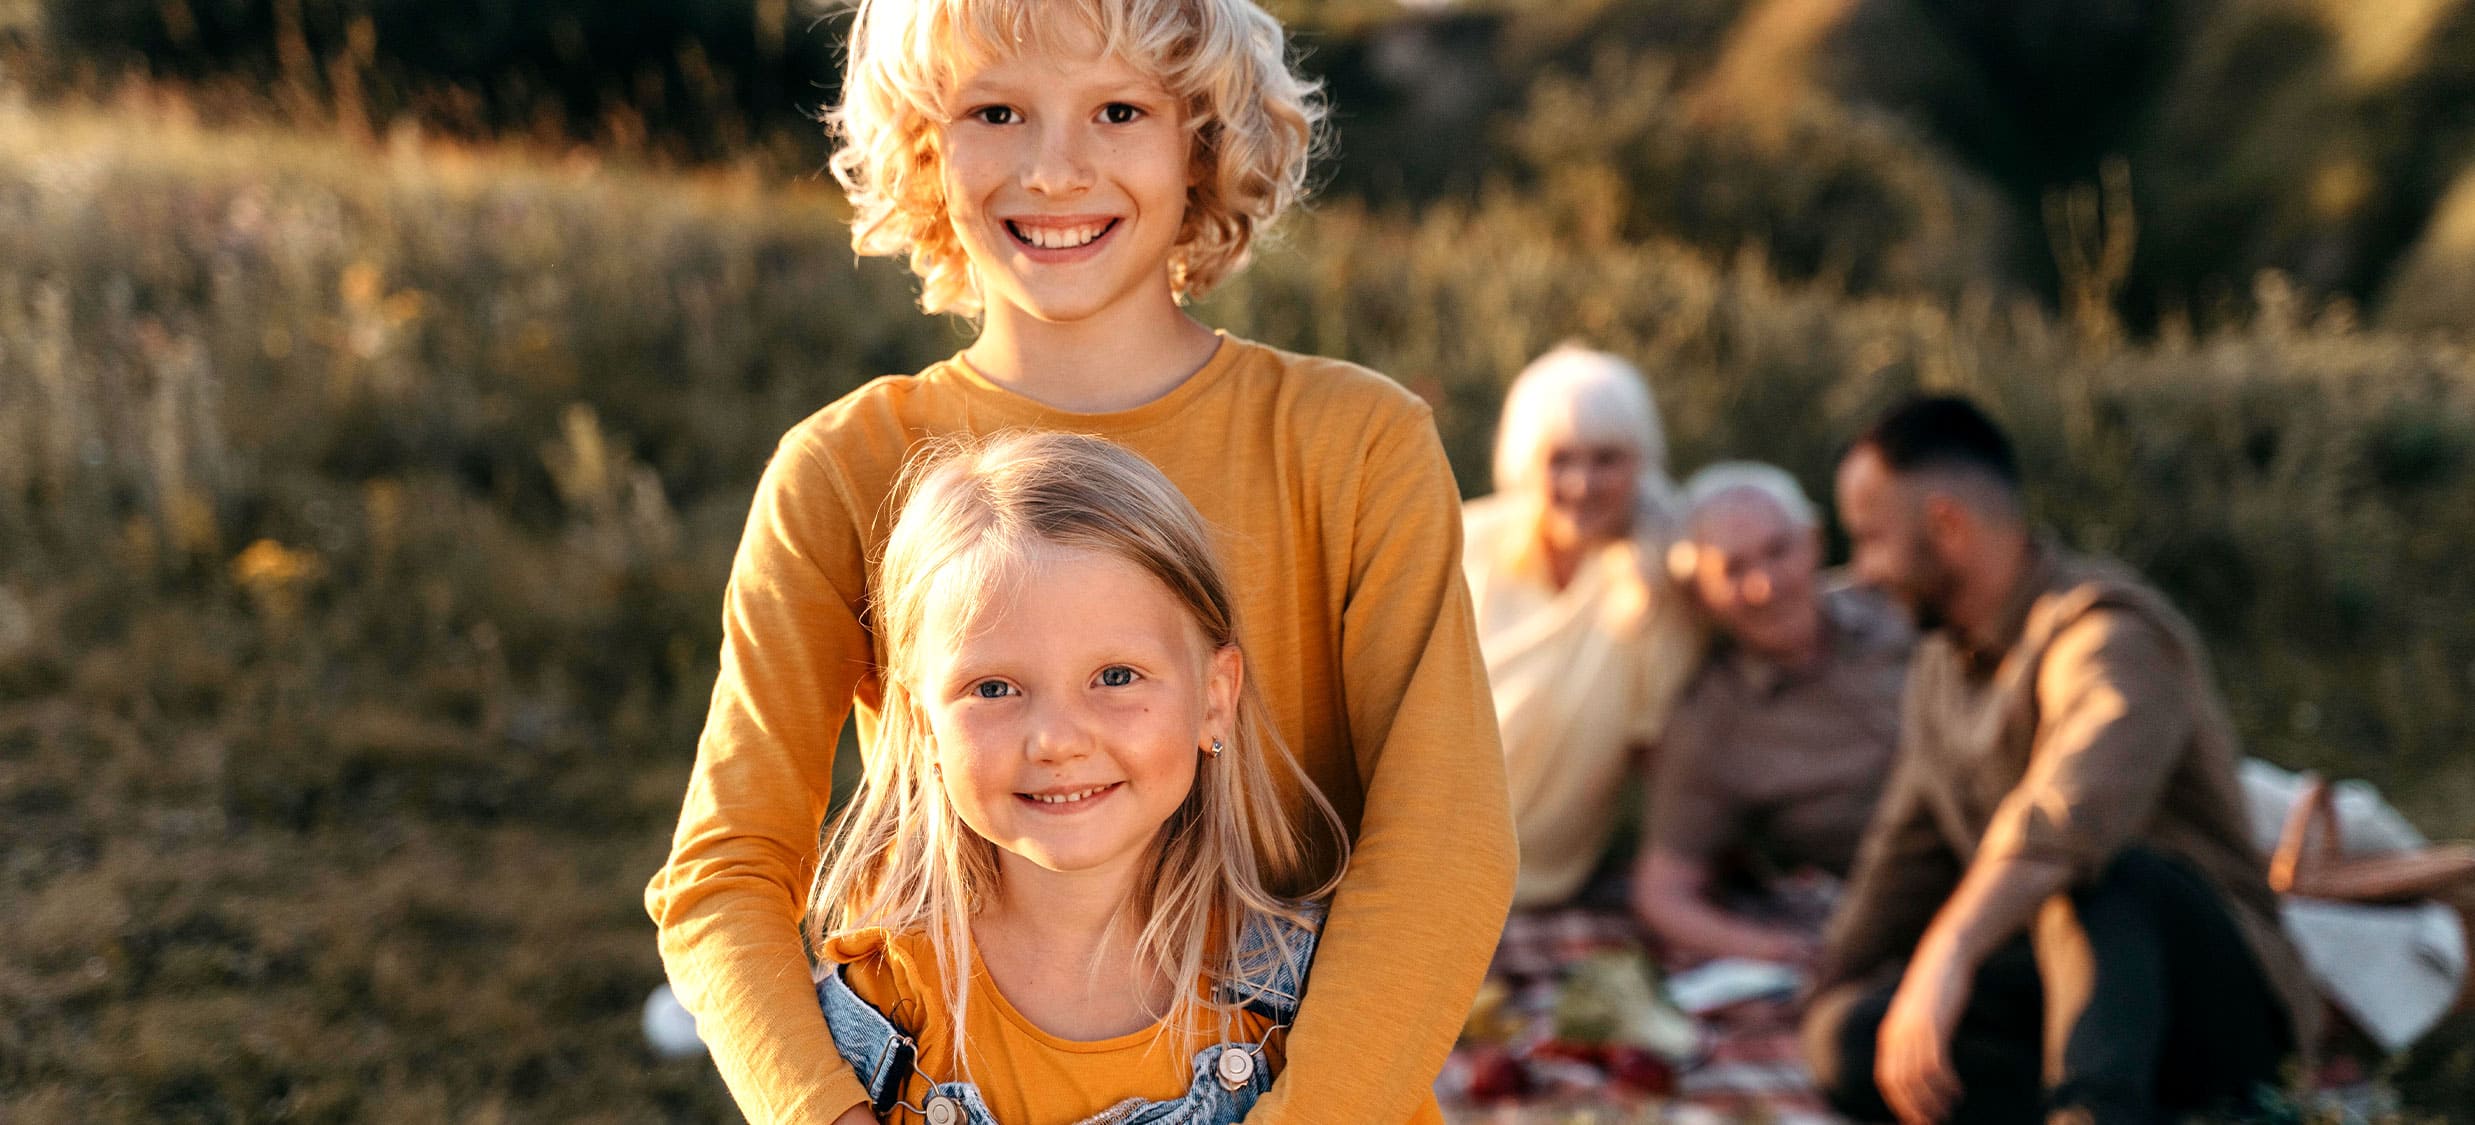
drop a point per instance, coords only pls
(364, 510)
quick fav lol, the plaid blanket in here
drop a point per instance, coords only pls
(1570, 1019)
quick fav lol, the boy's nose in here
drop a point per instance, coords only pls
(1060, 162)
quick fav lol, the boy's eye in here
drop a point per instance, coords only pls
(1120, 113)
(992, 689)
(995, 115)
(1116, 675)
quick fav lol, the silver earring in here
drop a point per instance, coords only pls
(1216, 748)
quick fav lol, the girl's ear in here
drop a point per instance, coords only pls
(1221, 686)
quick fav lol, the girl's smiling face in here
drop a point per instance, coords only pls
(1067, 718)
(1065, 173)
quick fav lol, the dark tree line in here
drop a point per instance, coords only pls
(697, 77)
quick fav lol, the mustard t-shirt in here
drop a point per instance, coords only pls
(1025, 1075)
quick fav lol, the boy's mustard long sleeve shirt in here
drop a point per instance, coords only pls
(1338, 520)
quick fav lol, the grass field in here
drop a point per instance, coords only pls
(364, 512)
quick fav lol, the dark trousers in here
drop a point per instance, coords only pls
(2130, 999)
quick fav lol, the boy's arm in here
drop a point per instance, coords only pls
(728, 902)
(1418, 915)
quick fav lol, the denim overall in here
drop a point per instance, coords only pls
(1228, 1077)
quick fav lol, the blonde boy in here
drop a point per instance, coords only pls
(1068, 172)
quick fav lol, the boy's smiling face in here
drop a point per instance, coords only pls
(1065, 174)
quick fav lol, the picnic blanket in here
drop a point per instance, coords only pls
(1573, 1016)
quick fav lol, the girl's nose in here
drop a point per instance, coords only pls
(1060, 161)
(1057, 733)
(1758, 588)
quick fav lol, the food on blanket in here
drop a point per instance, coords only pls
(1566, 1050)
(1637, 1071)
(1492, 1018)
(1559, 1079)
(1609, 998)
(1726, 981)
(1562, 1068)
(1494, 1075)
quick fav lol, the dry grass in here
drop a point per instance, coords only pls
(364, 511)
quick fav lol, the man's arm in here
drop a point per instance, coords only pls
(1417, 917)
(728, 901)
(1912, 1063)
(1904, 869)
(1671, 894)
(1691, 819)
(2113, 722)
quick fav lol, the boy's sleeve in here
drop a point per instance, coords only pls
(728, 901)
(1418, 915)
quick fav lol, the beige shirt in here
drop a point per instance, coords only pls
(1788, 762)
(2094, 725)
(1583, 678)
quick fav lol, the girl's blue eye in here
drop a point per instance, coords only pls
(1120, 113)
(992, 689)
(1116, 675)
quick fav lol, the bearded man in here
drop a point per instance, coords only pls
(2057, 912)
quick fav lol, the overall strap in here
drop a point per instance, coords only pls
(1274, 956)
(877, 1050)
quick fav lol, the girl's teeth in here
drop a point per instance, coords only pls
(1065, 798)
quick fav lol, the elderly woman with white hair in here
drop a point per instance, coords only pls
(1774, 759)
(1585, 642)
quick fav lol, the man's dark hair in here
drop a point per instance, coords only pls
(1927, 433)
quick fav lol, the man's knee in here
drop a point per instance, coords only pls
(2143, 875)
(1838, 1033)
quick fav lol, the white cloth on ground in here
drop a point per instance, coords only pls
(2394, 970)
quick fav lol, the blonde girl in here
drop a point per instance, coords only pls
(1066, 874)
(1067, 173)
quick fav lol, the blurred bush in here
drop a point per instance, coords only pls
(1883, 145)
(2313, 137)
(1918, 145)
(699, 79)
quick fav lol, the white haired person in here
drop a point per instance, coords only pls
(1586, 645)
(1773, 761)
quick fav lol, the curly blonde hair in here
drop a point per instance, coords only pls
(1252, 120)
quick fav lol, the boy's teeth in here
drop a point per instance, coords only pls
(1065, 798)
(1059, 238)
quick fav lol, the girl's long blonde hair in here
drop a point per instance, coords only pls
(900, 857)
